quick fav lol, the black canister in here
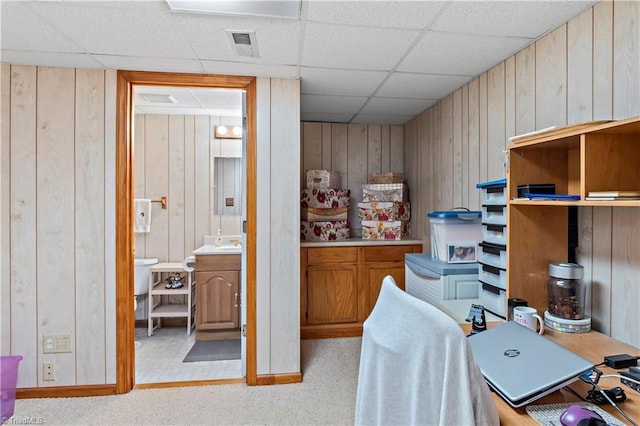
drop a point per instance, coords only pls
(565, 291)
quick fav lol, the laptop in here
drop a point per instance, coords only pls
(521, 365)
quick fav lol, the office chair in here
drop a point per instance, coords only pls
(416, 367)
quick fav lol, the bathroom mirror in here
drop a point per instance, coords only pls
(227, 186)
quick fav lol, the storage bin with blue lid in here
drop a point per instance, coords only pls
(494, 192)
(455, 235)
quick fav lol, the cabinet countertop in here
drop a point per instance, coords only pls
(360, 242)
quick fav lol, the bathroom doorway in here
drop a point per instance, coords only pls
(189, 169)
(125, 169)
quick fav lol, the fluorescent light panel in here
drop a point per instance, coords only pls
(287, 9)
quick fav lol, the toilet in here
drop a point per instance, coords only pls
(141, 278)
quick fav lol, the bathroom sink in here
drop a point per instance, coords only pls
(224, 249)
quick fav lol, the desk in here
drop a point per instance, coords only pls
(458, 309)
(593, 346)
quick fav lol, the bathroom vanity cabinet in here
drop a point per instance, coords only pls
(217, 294)
(340, 283)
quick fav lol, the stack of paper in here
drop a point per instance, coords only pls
(613, 195)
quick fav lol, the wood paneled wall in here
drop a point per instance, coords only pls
(355, 150)
(585, 70)
(57, 228)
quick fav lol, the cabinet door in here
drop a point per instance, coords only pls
(374, 274)
(218, 300)
(332, 294)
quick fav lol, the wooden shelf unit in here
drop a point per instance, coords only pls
(159, 309)
(578, 160)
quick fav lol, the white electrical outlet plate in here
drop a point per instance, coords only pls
(48, 371)
(57, 343)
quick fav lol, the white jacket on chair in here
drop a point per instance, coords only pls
(416, 367)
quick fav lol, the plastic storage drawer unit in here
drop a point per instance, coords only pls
(494, 192)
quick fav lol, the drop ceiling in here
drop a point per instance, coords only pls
(371, 62)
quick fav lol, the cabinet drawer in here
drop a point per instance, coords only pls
(318, 255)
(386, 253)
(218, 262)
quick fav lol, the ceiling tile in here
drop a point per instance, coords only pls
(462, 54)
(388, 119)
(150, 64)
(19, 19)
(334, 104)
(109, 30)
(399, 106)
(399, 14)
(373, 49)
(256, 70)
(48, 59)
(529, 19)
(421, 86)
(340, 82)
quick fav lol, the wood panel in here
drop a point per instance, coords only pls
(202, 178)
(284, 246)
(467, 188)
(55, 213)
(457, 165)
(356, 166)
(396, 148)
(374, 149)
(601, 270)
(525, 90)
(190, 237)
(496, 127)
(474, 140)
(551, 79)
(89, 230)
(484, 130)
(327, 163)
(5, 205)
(602, 63)
(24, 326)
(176, 189)
(510, 97)
(626, 59)
(446, 153)
(339, 149)
(580, 68)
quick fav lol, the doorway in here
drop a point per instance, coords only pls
(125, 316)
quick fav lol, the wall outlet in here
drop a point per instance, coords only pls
(57, 343)
(48, 371)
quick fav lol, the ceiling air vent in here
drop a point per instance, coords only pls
(243, 42)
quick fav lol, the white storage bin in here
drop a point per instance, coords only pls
(493, 254)
(493, 299)
(494, 192)
(494, 233)
(433, 281)
(492, 275)
(455, 235)
(494, 214)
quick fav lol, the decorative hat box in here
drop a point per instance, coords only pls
(397, 192)
(384, 230)
(384, 210)
(324, 231)
(324, 214)
(325, 198)
(388, 177)
(323, 179)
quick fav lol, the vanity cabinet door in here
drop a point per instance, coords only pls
(218, 300)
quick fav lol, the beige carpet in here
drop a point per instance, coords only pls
(325, 397)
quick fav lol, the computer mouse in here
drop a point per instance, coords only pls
(577, 414)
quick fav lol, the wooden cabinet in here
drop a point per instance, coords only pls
(340, 285)
(578, 160)
(217, 294)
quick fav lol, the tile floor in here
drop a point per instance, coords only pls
(159, 359)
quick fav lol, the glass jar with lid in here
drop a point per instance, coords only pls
(565, 291)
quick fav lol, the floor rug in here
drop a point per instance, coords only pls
(213, 350)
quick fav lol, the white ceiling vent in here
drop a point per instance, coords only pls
(157, 98)
(243, 42)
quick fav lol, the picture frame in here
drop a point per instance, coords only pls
(462, 252)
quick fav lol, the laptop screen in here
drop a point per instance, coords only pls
(522, 365)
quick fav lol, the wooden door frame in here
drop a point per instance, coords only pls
(124, 255)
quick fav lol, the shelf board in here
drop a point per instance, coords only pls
(166, 311)
(170, 291)
(582, 203)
